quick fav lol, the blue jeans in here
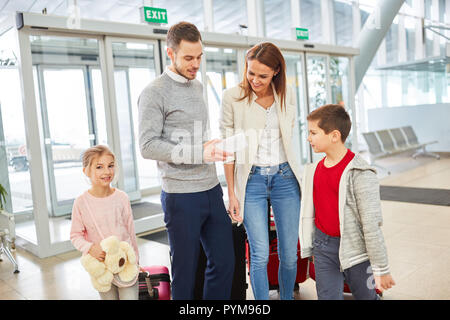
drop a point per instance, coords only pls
(329, 277)
(278, 184)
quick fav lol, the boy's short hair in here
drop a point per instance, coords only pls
(332, 117)
(182, 31)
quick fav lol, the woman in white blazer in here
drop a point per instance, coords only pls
(263, 108)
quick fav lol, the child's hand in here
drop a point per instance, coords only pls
(384, 282)
(97, 252)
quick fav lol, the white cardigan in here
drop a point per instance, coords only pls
(242, 116)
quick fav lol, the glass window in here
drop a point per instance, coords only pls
(278, 19)
(410, 29)
(372, 89)
(311, 19)
(392, 43)
(17, 178)
(317, 78)
(183, 10)
(364, 13)
(68, 85)
(13, 126)
(294, 79)
(228, 15)
(221, 73)
(394, 88)
(343, 22)
(134, 68)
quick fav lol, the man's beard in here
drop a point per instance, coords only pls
(180, 72)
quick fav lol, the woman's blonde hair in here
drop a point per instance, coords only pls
(93, 152)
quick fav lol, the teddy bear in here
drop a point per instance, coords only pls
(120, 261)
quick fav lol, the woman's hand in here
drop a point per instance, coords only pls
(97, 252)
(233, 209)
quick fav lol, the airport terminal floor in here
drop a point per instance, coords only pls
(416, 237)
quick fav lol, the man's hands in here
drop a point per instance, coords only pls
(97, 252)
(212, 154)
(233, 208)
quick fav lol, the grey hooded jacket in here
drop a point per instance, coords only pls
(360, 217)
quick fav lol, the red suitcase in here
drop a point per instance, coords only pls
(154, 284)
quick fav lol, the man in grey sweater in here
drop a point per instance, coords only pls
(174, 129)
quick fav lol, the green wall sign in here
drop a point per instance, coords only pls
(155, 15)
(302, 34)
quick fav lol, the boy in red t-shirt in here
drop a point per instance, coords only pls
(340, 215)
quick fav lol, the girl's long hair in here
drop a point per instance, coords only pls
(268, 54)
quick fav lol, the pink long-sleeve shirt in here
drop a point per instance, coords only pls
(113, 217)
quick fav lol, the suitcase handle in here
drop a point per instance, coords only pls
(153, 292)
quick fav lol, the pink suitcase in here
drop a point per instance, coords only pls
(154, 284)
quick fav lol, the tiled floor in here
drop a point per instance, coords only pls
(417, 238)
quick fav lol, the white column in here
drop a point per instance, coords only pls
(295, 17)
(419, 10)
(402, 55)
(208, 13)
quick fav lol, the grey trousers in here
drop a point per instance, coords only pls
(115, 293)
(330, 279)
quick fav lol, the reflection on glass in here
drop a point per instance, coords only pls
(134, 65)
(343, 23)
(339, 83)
(15, 166)
(221, 74)
(276, 11)
(68, 139)
(228, 15)
(317, 75)
(294, 80)
(311, 19)
(182, 10)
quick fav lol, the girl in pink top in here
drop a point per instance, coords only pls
(111, 209)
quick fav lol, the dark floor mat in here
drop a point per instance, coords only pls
(438, 197)
(160, 237)
(145, 209)
(141, 210)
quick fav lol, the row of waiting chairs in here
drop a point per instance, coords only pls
(388, 142)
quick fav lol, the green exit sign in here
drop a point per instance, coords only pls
(302, 34)
(155, 15)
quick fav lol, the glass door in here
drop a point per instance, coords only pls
(318, 87)
(340, 85)
(66, 88)
(317, 67)
(329, 81)
(221, 73)
(135, 65)
(14, 160)
(296, 80)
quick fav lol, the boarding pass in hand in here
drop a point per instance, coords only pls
(233, 144)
